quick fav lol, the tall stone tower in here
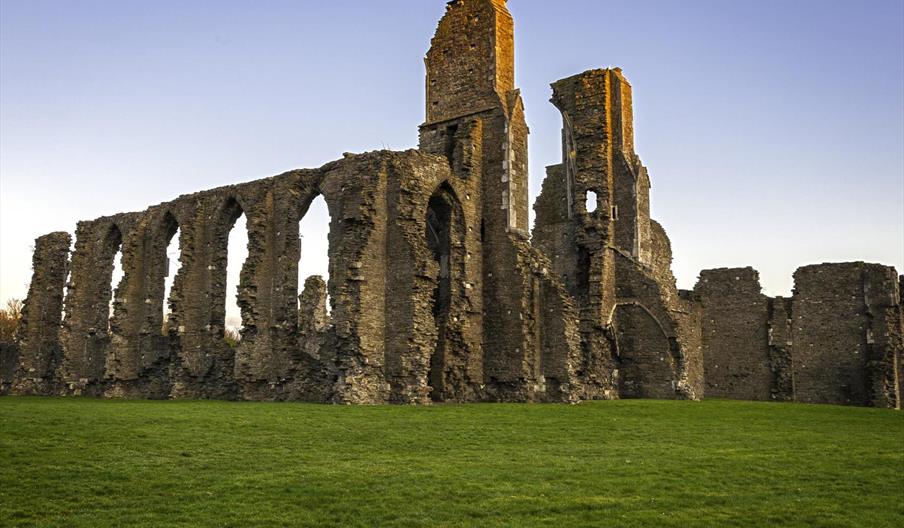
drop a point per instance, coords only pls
(475, 118)
(593, 222)
(471, 83)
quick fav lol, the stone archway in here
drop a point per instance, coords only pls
(647, 366)
(442, 228)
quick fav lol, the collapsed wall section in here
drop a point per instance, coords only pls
(781, 341)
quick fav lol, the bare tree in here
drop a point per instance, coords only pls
(9, 319)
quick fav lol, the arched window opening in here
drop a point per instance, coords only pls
(113, 246)
(313, 239)
(236, 254)
(592, 201)
(68, 280)
(439, 240)
(172, 264)
(450, 143)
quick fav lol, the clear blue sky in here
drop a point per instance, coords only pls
(773, 130)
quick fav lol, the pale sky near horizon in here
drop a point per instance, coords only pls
(773, 130)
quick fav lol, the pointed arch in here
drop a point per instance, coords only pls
(224, 221)
(167, 232)
(443, 230)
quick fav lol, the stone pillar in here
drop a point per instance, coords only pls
(355, 192)
(38, 333)
(267, 294)
(203, 364)
(85, 329)
(313, 318)
(137, 362)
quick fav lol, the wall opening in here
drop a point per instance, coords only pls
(451, 132)
(113, 245)
(439, 241)
(314, 244)
(171, 264)
(591, 201)
(68, 278)
(236, 254)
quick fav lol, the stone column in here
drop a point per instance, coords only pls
(38, 334)
(138, 359)
(85, 327)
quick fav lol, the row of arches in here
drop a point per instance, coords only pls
(155, 294)
(314, 257)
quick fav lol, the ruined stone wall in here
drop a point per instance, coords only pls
(138, 354)
(558, 323)
(898, 359)
(837, 340)
(554, 232)
(433, 339)
(38, 333)
(688, 314)
(132, 353)
(470, 64)
(9, 362)
(657, 332)
(437, 292)
(846, 334)
(735, 334)
(588, 269)
(386, 339)
(781, 340)
(593, 221)
(87, 325)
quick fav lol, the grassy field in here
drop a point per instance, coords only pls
(78, 462)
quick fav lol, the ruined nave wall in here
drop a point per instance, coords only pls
(735, 334)
(837, 340)
(846, 334)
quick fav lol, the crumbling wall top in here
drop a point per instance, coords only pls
(471, 61)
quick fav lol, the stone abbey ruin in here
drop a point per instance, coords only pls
(438, 290)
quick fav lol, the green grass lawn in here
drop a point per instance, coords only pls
(80, 462)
